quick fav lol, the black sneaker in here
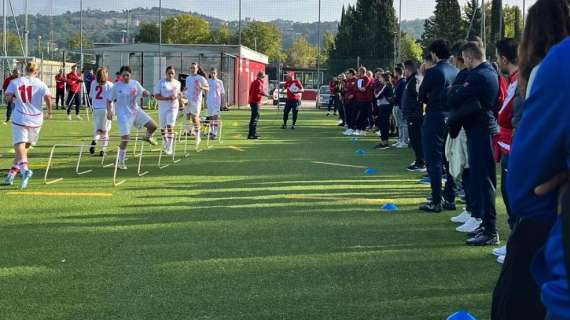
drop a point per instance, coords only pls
(283, 127)
(253, 137)
(448, 206)
(92, 148)
(102, 154)
(477, 231)
(382, 146)
(484, 239)
(293, 127)
(430, 207)
(414, 167)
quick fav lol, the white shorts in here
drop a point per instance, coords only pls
(22, 134)
(128, 121)
(193, 108)
(213, 111)
(167, 116)
(100, 121)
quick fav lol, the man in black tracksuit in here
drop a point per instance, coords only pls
(413, 114)
(434, 130)
(482, 84)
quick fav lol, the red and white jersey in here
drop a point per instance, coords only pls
(194, 84)
(100, 94)
(30, 93)
(126, 97)
(168, 89)
(215, 92)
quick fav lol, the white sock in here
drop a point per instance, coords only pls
(97, 137)
(105, 144)
(122, 155)
(169, 137)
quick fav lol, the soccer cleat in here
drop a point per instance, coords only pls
(9, 180)
(122, 166)
(26, 176)
(501, 251)
(469, 226)
(92, 148)
(431, 208)
(462, 217)
(102, 153)
(150, 140)
(501, 259)
(448, 206)
(484, 239)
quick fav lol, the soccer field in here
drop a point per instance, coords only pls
(286, 227)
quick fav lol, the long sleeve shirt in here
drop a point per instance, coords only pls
(435, 82)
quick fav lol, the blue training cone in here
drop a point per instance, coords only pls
(360, 152)
(389, 207)
(461, 315)
(370, 171)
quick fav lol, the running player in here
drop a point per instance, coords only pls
(99, 93)
(167, 92)
(196, 84)
(294, 89)
(125, 95)
(215, 100)
(28, 93)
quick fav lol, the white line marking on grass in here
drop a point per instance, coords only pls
(60, 194)
(339, 164)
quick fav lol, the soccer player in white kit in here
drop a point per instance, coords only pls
(195, 86)
(167, 92)
(29, 93)
(99, 94)
(215, 100)
(125, 94)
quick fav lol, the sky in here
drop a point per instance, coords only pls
(265, 10)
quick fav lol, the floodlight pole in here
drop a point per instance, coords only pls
(160, 34)
(26, 30)
(399, 33)
(239, 23)
(81, 34)
(4, 25)
(524, 12)
(319, 48)
(483, 29)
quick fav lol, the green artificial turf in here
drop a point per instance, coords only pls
(287, 227)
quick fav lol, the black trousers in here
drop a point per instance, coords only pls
(384, 121)
(349, 111)
(59, 97)
(512, 220)
(254, 119)
(466, 179)
(73, 99)
(333, 104)
(9, 109)
(483, 176)
(516, 295)
(363, 114)
(415, 131)
(291, 105)
(341, 111)
(434, 133)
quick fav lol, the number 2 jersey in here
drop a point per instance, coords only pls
(126, 96)
(100, 94)
(30, 93)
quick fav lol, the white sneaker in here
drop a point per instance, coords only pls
(396, 145)
(356, 133)
(402, 146)
(379, 133)
(470, 225)
(348, 132)
(461, 218)
(198, 140)
(501, 251)
(501, 259)
(339, 121)
(68, 117)
(78, 117)
(363, 133)
(122, 166)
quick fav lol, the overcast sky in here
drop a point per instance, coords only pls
(297, 10)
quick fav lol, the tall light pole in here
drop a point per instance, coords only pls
(319, 48)
(399, 33)
(81, 34)
(160, 34)
(26, 30)
(239, 23)
(4, 38)
(524, 12)
(483, 28)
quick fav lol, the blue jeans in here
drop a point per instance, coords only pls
(254, 119)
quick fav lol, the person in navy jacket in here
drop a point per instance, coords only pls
(481, 83)
(541, 151)
(434, 131)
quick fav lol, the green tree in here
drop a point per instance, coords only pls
(497, 30)
(446, 23)
(411, 49)
(302, 53)
(186, 28)
(327, 48)
(263, 37)
(13, 44)
(75, 42)
(513, 22)
(222, 35)
(148, 33)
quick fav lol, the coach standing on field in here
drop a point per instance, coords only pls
(434, 132)
(256, 93)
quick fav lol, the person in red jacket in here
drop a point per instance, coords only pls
(294, 89)
(9, 105)
(507, 58)
(74, 82)
(349, 90)
(60, 89)
(256, 93)
(364, 96)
